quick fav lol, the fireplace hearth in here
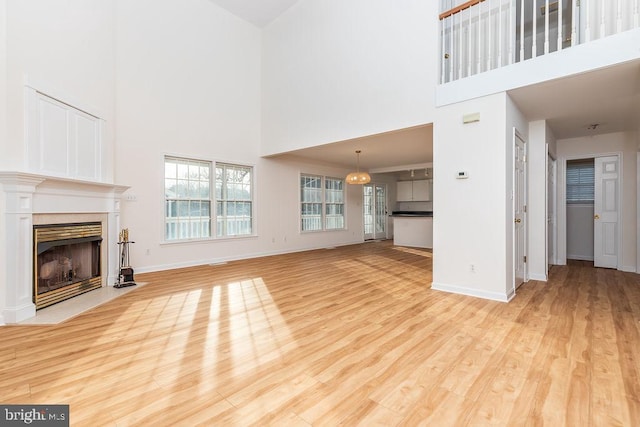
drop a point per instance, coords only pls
(66, 261)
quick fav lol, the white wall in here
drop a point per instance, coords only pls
(65, 48)
(585, 147)
(3, 133)
(473, 223)
(580, 231)
(189, 84)
(336, 70)
(539, 136)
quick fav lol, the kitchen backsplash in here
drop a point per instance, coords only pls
(414, 206)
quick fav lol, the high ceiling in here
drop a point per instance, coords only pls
(258, 12)
(608, 98)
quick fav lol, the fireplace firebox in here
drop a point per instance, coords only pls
(66, 261)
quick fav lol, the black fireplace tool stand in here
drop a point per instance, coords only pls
(125, 276)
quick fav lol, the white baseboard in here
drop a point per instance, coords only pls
(580, 257)
(221, 260)
(539, 277)
(18, 314)
(472, 292)
(628, 268)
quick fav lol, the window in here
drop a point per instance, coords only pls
(333, 204)
(188, 199)
(580, 181)
(321, 203)
(234, 207)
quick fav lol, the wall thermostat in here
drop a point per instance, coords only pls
(462, 175)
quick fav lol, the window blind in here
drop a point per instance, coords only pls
(580, 181)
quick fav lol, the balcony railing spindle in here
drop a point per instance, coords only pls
(469, 43)
(619, 17)
(587, 25)
(489, 37)
(478, 53)
(603, 23)
(512, 30)
(546, 27)
(499, 52)
(560, 26)
(534, 32)
(521, 30)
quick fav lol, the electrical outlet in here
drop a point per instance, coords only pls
(131, 198)
(472, 268)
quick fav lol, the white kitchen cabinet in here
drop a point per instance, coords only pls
(413, 231)
(414, 191)
(404, 191)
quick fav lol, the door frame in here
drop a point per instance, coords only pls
(561, 191)
(386, 208)
(518, 135)
(552, 212)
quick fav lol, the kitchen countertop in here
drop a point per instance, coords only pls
(409, 214)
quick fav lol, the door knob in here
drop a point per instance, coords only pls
(596, 216)
(517, 220)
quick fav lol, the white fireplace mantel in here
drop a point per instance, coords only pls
(25, 195)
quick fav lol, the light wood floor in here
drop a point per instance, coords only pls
(349, 336)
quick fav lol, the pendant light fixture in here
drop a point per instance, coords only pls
(358, 177)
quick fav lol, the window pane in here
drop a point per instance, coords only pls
(334, 203)
(234, 200)
(187, 213)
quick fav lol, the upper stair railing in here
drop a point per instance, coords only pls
(481, 35)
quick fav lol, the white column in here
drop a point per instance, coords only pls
(16, 281)
(113, 226)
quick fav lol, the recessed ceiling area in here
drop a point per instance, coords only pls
(258, 12)
(608, 98)
(402, 149)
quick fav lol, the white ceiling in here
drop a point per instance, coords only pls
(609, 97)
(403, 149)
(258, 12)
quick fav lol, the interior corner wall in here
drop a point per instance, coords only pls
(336, 70)
(539, 136)
(469, 228)
(63, 47)
(599, 145)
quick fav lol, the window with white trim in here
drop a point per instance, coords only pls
(234, 200)
(321, 203)
(580, 181)
(189, 199)
(187, 195)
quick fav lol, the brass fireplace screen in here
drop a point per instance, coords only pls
(66, 261)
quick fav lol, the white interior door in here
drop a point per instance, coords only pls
(519, 211)
(606, 212)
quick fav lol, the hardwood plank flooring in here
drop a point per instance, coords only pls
(348, 336)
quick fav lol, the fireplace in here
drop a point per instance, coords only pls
(67, 261)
